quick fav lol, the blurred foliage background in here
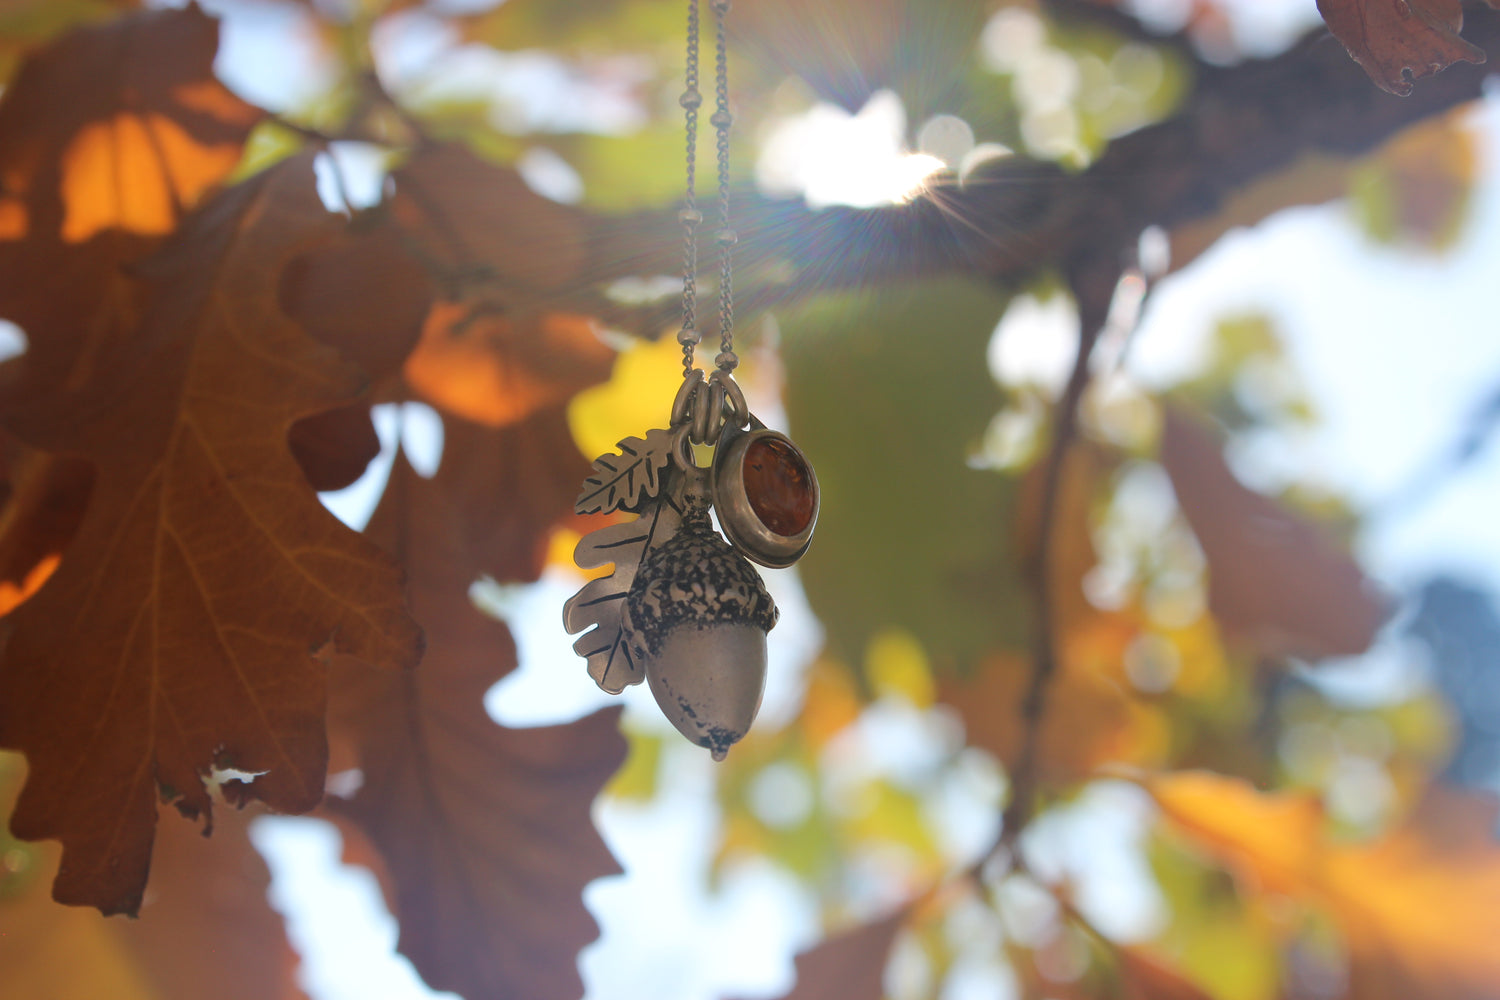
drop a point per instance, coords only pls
(1086, 558)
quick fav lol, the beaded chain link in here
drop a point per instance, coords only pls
(690, 216)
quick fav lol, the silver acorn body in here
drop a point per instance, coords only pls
(697, 615)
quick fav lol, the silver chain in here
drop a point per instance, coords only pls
(691, 217)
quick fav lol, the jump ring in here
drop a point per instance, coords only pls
(734, 397)
(682, 448)
(716, 411)
(682, 405)
(703, 415)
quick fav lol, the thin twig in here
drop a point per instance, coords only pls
(1023, 777)
(1097, 284)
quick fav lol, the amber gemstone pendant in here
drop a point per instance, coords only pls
(766, 494)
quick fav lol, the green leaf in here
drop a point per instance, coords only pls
(573, 26)
(889, 395)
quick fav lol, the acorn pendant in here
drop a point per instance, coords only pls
(697, 615)
(684, 609)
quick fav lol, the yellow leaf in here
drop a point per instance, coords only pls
(1417, 188)
(896, 663)
(637, 397)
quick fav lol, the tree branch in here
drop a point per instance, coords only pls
(1240, 124)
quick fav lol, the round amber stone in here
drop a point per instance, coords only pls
(779, 486)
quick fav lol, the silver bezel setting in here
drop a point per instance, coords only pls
(742, 526)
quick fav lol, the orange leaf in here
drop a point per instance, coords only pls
(1271, 842)
(485, 831)
(205, 574)
(1419, 905)
(1398, 41)
(1274, 579)
(206, 928)
(107, 138)
(496, 369)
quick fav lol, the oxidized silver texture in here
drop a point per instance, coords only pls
(694, 579)
(697, 616)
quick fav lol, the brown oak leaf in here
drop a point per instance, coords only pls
(363, 293)
(107, 138)
(849, 965)
(1399, 41)
(336, 447)
(207, 929)
(507, 487)
(180, 632)
(484, 831)
(1273, 578)
(475, 223)
(45, 499)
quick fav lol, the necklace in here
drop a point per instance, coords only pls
(684, 609)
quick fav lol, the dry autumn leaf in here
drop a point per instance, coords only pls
(497, 370)
(206, 928)
(1417, 905)
(475, 223)
(336, 447)
(89, 183)
(484, 831)
(364, 294)
(47, 495)
(1274, 579)
(849, 965)
(508, 487)
(184, 620)
(1399, 41)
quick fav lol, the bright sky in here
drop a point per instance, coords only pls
(1397, 349)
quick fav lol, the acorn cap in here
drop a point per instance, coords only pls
(695, 579)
